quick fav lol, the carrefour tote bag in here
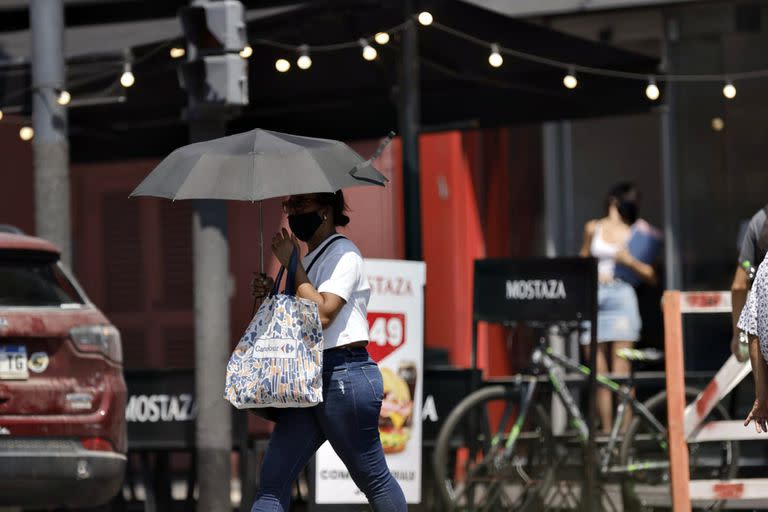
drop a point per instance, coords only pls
(278, 361)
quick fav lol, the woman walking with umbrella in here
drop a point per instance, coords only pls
(262, 164)
(352, 384)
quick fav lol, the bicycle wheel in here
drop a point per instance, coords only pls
(643, 488)
(473, 472)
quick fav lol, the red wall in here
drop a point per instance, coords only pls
(17, 195)
(480, 196)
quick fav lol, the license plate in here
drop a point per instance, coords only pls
(13, 362)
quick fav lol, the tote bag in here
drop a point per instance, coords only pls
(278, 361)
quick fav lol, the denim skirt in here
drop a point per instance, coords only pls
(618, 315)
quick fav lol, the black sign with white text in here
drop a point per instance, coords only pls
(530, 290)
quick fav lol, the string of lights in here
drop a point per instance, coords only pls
(302, 53)
(64, 97)
(572, 71)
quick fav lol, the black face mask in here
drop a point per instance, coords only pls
(304, 225)
(628, 211)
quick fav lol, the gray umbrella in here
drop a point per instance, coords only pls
(259, 164)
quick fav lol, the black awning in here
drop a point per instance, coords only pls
(344, 96)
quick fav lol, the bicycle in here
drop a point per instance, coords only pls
(496, 450)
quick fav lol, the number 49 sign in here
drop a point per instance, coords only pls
(386, 333)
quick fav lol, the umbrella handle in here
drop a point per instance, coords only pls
(261, 234)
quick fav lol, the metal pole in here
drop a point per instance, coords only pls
(553, 212)
(669, 175)
(554, 222)
(212, 346)
(410, 109)
(50, 148)
(593, 497)
(569, 229)
(210, 248)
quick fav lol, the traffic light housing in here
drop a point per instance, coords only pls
(215, 73)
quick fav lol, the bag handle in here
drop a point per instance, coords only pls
(290, 283)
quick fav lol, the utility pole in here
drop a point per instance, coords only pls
(50, 147)
(215, 78)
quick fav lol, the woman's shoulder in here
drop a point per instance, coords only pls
(591, 226)
(343, 246)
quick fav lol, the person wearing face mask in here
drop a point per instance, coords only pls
(618, 316)
(331, 275)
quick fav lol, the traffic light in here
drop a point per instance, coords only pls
(214, 72)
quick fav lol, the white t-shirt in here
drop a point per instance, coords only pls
(339, 271)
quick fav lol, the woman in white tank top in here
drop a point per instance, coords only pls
(618, 317)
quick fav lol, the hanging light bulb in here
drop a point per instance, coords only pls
(652, 90)
(64, 98)
(282, 65)
(246, 52)
(729, 90)
(382, 38)
(127, 79)
(177, 53)
(26, 133)
(718, 124)
(425, 18)
(304, 61)
(1, 115)
(495, 59)
(569, 80)
(369, 52)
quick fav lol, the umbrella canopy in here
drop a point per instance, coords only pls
(259, 164)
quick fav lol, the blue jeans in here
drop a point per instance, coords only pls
(349, 419)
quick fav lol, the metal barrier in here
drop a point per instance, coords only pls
(685, 422)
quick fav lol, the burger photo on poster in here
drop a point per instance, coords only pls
(396, 411)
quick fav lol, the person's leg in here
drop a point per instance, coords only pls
(621, 368)
(349, 418)
(604, 397)
(294, 440)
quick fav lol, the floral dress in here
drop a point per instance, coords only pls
(754, 316)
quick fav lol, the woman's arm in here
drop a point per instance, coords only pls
(759, 411)
(645, 271)
(589, 232)
(759, 368)
(328, 304)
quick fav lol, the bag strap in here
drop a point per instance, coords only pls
(322, 250)
(290, 282)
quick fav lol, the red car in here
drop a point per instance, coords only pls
(62, 392)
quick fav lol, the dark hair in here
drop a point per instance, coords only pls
(336, 201)
(620, 191)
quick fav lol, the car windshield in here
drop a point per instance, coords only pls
(29, 278)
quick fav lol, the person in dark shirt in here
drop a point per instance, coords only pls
(753, 251)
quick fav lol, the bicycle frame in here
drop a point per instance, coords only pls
(545, 357)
